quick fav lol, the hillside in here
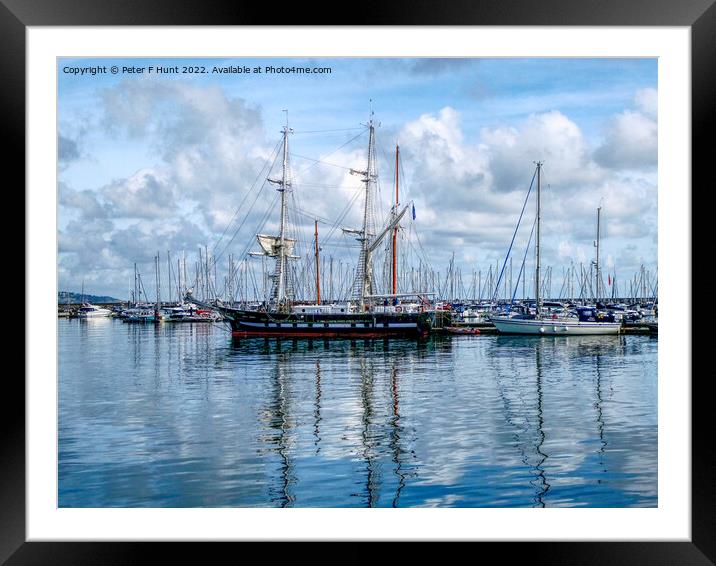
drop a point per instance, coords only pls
(74, 298)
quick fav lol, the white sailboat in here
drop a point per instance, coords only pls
(587, 323)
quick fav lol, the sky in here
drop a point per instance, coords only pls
(153, 162)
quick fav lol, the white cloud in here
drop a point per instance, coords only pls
(472, 194)
(207, 149)
(549, 137)
(86, 202)
(647, 101)
(67, 150)
(443, 170)
(146, 194)
(630, 138)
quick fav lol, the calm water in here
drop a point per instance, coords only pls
(180, 415)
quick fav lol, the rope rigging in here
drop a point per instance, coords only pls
(246, 216)
(524, 260)
(238, 208)
(296, 217)
(502, 271)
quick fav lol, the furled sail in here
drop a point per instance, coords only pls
(270, 245)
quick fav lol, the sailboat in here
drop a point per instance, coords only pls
(589, 321)
(365, 315)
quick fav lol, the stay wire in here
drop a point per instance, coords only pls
(524, 260)
(504, 264)
(236, 232)
(238, 208)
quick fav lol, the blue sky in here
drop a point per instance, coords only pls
(162, 161)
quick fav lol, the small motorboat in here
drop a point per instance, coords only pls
(461, 330)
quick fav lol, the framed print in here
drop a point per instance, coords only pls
(307, 257)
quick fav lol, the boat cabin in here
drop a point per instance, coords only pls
(341, 308)
(591, 314)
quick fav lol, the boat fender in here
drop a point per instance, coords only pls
(541, 329)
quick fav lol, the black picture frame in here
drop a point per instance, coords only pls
(699, 15)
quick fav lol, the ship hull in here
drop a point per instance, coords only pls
(248, 324)
(557, 327)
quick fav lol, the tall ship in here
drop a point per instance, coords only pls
(588, 320)
(365, 314)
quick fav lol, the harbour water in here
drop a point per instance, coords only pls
(181, 415)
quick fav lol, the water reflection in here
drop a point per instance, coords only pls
(541, 484)
(278, 417)
(396, 431)
(372, 473)
(181, 415)
(317, 409)
(521, 413)
(600, 415)
(544, 405)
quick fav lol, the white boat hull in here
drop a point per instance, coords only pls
(95, 314)
(556, 327)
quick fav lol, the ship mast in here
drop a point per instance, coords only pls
(364, 277)
(363, 282)
(537, 241)
(318, 269)
(281, 259)
(395, 230)
(280, 246)
(596, 245)
(158, 307)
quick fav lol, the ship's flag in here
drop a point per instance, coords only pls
(609, 278)
(413, 212)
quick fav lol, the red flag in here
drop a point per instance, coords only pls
(610, 279)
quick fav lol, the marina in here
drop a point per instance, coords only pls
(363, 311)
(444, 320)
(395, 394)
(426, 300)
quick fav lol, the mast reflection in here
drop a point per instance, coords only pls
(372, 476)
(600, 416)
(279, 421)
(529, 442)
(396, 431)
(317, 408)
(540, 482)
